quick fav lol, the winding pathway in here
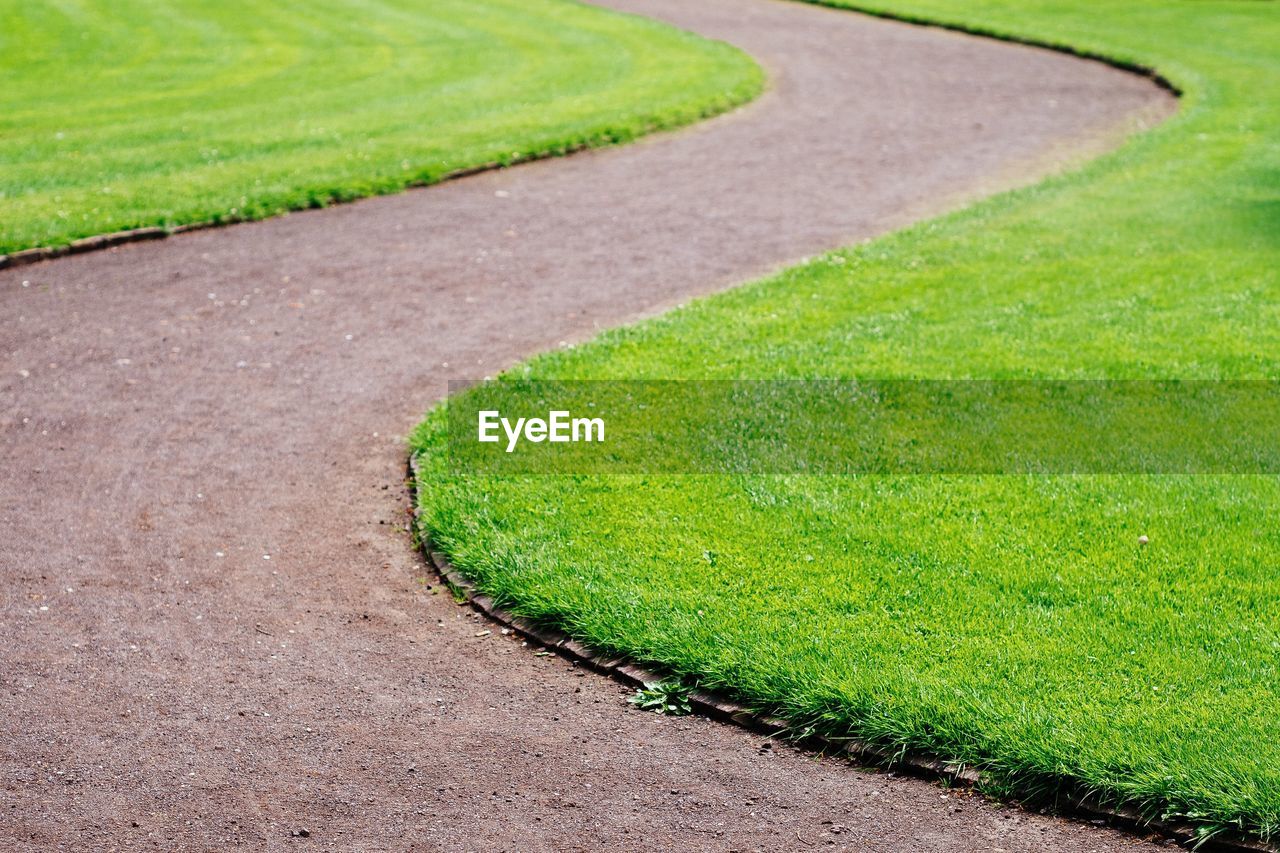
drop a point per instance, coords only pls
(215, 629)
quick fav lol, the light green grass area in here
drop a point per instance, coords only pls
(130, 113)
(1012, 623)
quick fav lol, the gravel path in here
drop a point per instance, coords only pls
(216, 631)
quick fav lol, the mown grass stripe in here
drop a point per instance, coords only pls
(143, 115)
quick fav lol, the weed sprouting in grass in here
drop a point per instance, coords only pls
(663, 697)
(459, 594)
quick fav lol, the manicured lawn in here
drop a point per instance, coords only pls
(116, 115)
(1010, 622)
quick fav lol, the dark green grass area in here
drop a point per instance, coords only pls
(141, 113)
(1013, 623)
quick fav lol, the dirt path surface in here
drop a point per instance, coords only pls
(216, 631)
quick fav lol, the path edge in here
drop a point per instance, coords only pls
(1130, 66)
(636, 674)
(98, 242)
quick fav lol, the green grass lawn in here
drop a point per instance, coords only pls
(1010, 622)
(116, 115)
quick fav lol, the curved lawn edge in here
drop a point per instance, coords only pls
(696, 104)
(1133, 66)
(602, 139)
(1181, 81)
(1068, 800)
